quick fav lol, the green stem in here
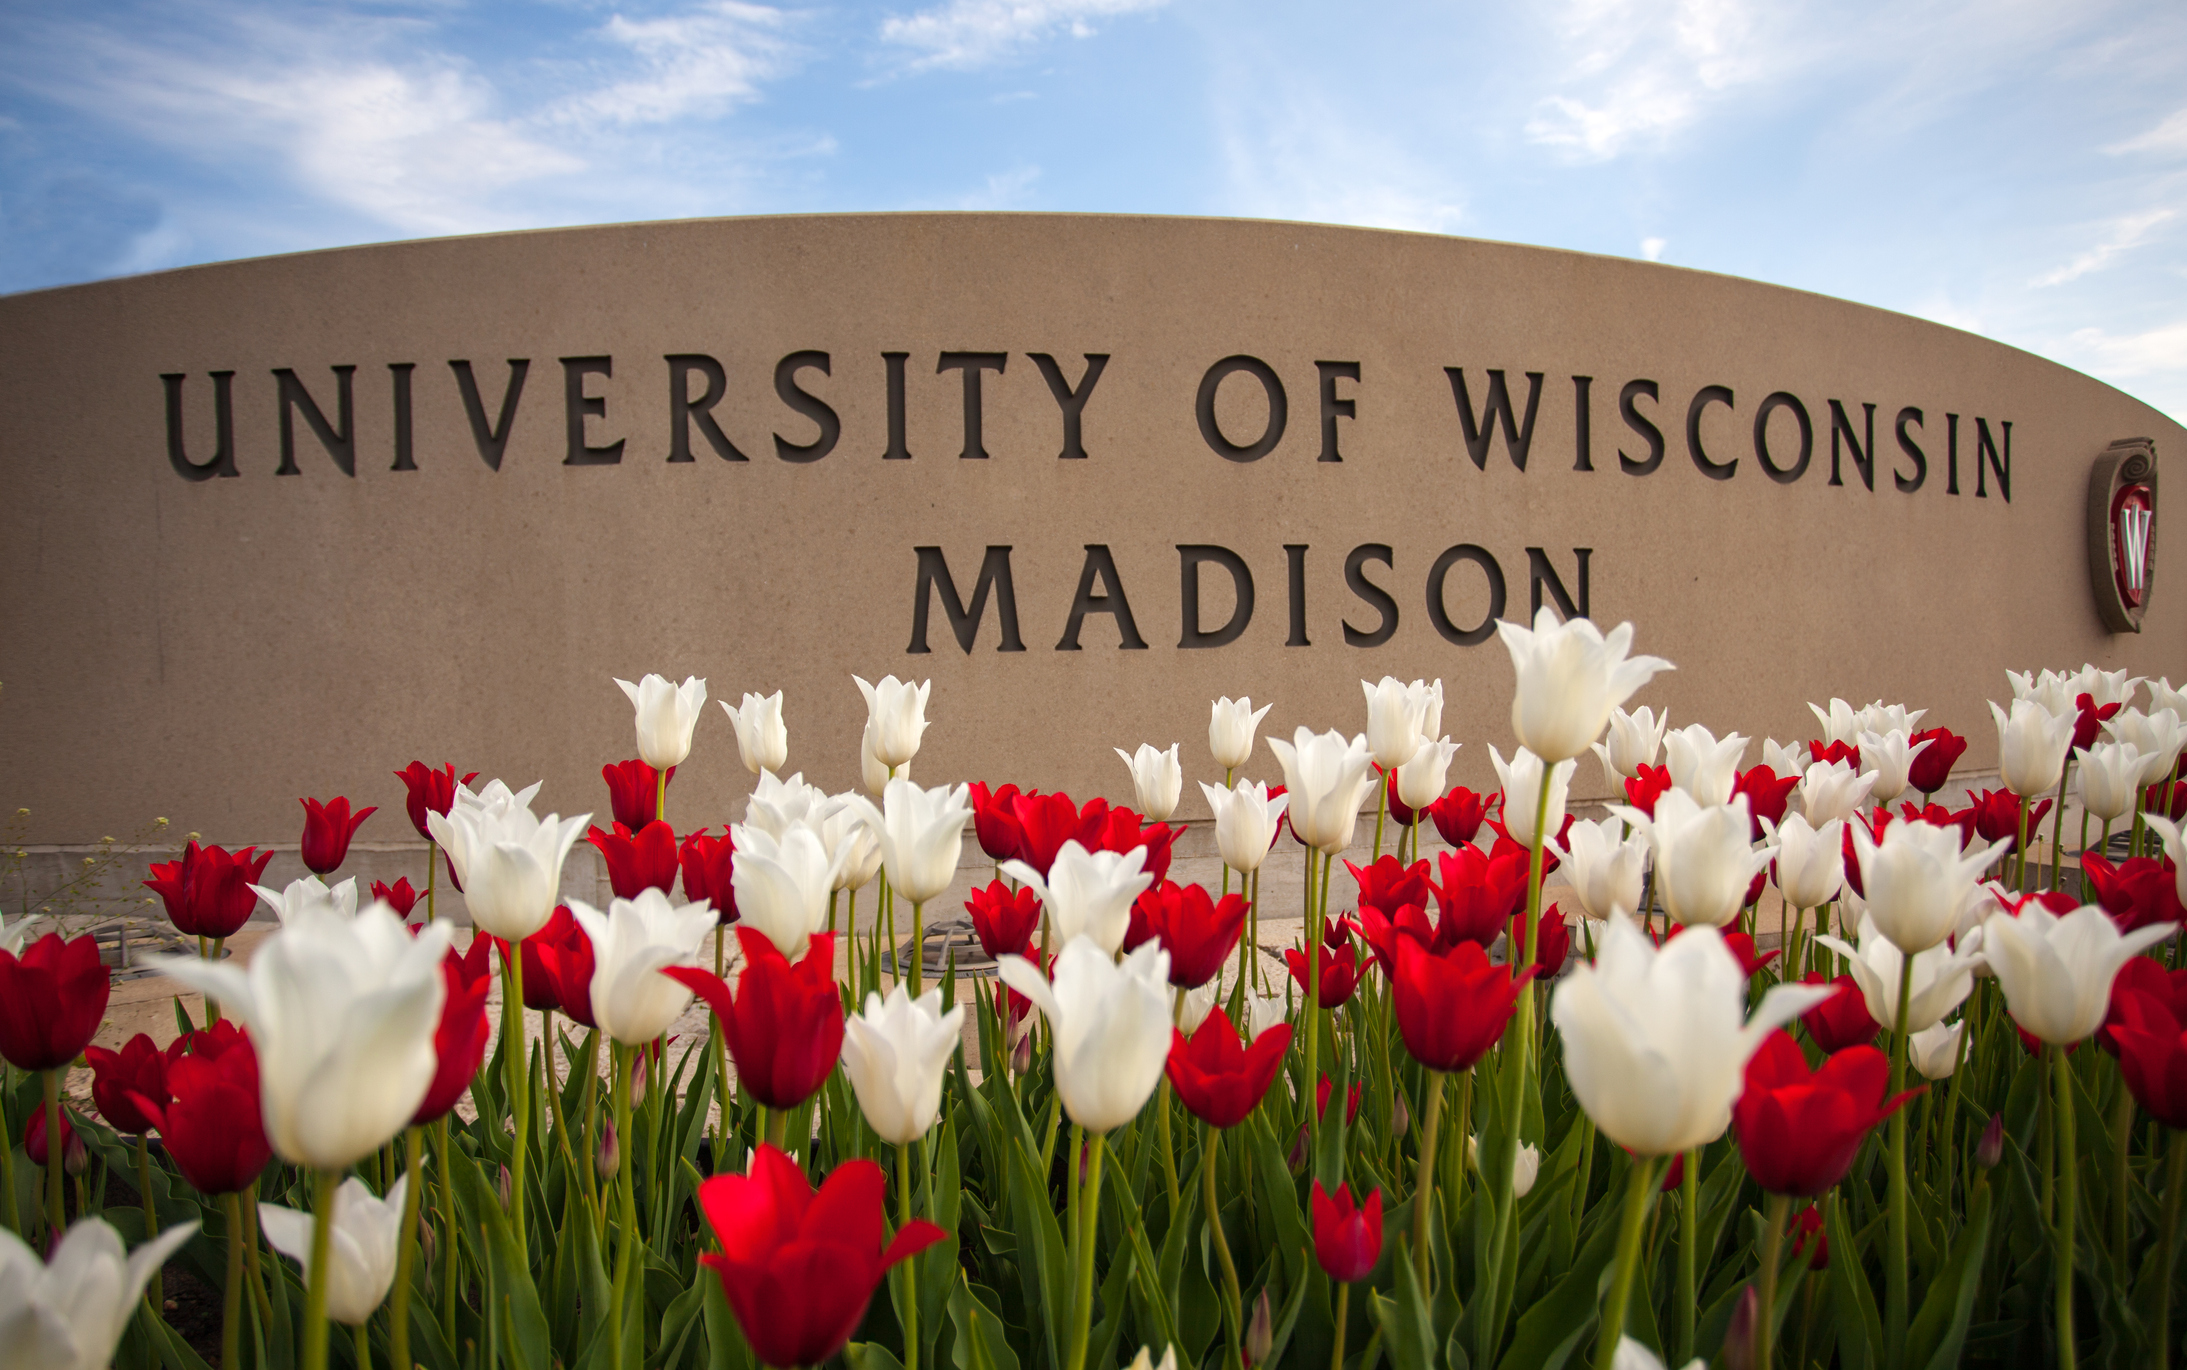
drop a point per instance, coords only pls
(888, 904)
(2175, 1184)
(1089, 1222)
(2068, 1188)
(1253, 930)
(1773, 1235)
(660, 815)
(1689, 1237)
(778, 1128)
(1638, 1187)
(1233, 1300)
(406, 1249)
(516, 1057)
(315, 1279)
(1344, 1308)
(1381, 810)
(56, 1155)
(448, 1242)
(918, 954)
(1423, 1190)
(1313, 998)
(720, 1042)
(2057, 823)
(432, 876)
(910, 1267)
(157, 1288)
(2020, 850)
(231, 1294)
(1162, 1112)
(2122, 1130)
(626, 1245)
(1894, 1272)
(13, 1216)
(361, 1338)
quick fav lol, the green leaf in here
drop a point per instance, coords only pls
(980, 1343)
(1860, 1329)
(871, 1355)
(1940, 1329)
(1556, 1326)
(726, 1348)
(1280, 1196)
(529, 1346)
(1408, 1333)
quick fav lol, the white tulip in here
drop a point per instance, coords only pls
(666, 715)
(1088, 894)
(361, 1256)
(13, 936)
(848, 839)
(2111, 777)
(1157, 779)
(1327, 778)
(631, 1000)
(2163, 696)
(1783, 761)
(510, 862)
(1831, 790)
(2057, 971)
(1111, 1025)
(2056, 694)
(897, 711)
(1264, 1011)
(782, 886)
(1810, 861)
(1840, 722)
(2031, 747)
(1634, 1355)
(1431, 722)
(1245, 822)
(1704, 860)
(1915, 880)
(494, 797)
(1942, 978)
(1522, 781)
(777, 805)
(921, 834)
(2105, 687)
(1891, 756)
(2157, 734)
(763, 739)
(1702, 766)
(1569, 679)
(1145, 1359)
(1632, 742)
(895, 1054)
(1422, 780)
(1526, 1165)
(1656, 1042)
(1934, 1050)
(342, 1013)
(1230, 728)
(2175, 846)
(1607, 869)
(310, 892)
(1198, 1004)
(70, 1315)
(871, 772)
(1396, 715)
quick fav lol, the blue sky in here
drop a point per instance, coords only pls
(2018, 169)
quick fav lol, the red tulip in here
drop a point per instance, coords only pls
(1321, 1100)
(1045, 823)
(2144, 975)
(2167, 797)
(2090, 723)
(1842, 1020)
(1766, 794)
(1799, 1131)
(139, 1067)
(1939, 816)
(1458, 816)
(327, 829)
(208, 892)
(1642, 790)
(2057, 901)
(799, 1266)
(995, 821)
(1347, 1238)
(1339, 972)
(784, 1025)
(459, 1041)
(1198, 932)
(709, 865)
(1217, 1078)
(1997, 817)
(1807, 1226)
(1401, 813)
(634, 794)
(399, 896)
(1826, 753)
(1004, 919)
(1451, 1008)
(212, 1125)
(429, 791)
(1933, 765)
(1675, 1175)
(473, 965)
(1741, 947)
(2139, 892)
(1552, 939)
(1382, 934)
(1506, 844)
(638, 861)
(1478, 895)
(34, 1140)
(51, 999)
(1389, 884)
(566, 963)
(2152, 1045)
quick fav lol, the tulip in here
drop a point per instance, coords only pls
(1111, 1025)
(709, 873)
(1632, 741)
(1810, 868)
(2174, 837)
(782, 886)
(641, 860)
(400, 896)
(1524, 794)
(2056, 972)
(1915, 880)
(70, 1315)
(1939, 981)
(995, 819)
(1347, 1237)
(784, 1024)
(211, 1123)
(1004, 919)
(1841, 1020)
(1230, 728)
(1325, 777)
(666, 714)
(310, 893)
(1452, 1007)
(2159, 734)
(1569, 679)
(1352, 1097)
(2152, 1047)
(1702, 766)
(895, 1054)
(1841, 722)
(1703, 862)
(1892, 755)
(777, 805)
(1478, 895)
(140, 1069)
(2032, 745)
(328, 827)
(52, 996)
(1997, 817)
(1419, 782)
(459, 1040)
(1458, 816)
(208, 893)
(2138, 892)
(1219, 1080)
(1934, 753)
(563, 955)
(632, 941)
(1389, 884)
(1741, 946)
(1526, 1167)
(798, 1267)
(1552, 941)
(38, 1152)
(896, 712)
(1396, 717)
(763, 740)
(1934, 1051)
(871, 772)
(1766, 794)
(1339, 974)
(2112, 775)
(1198, 932)
(429, 791)
(1157, 779)
(1246, 819)
(361, 1257)
(1087, 894)
(921, 835)
(634, 792)
(508, 862)
(1606, 868)
(1834, 789)
(1650, 785)
(845, 835)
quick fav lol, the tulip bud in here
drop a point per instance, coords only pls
(609, 1159)
(1739, 1336)
(638, 1076)
(74, 1156)
(501, 1187)
(427, 1243)
(1260, 1331)
(1991, 1149)
(1296, 1161)
(1021, 1056)
(1400, 1116)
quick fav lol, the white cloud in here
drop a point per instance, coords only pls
(2126, 232)
(698, 63)
(2169, 136)
(1652, 248)
(2153, 352)
(967, 34)
(1004, 190)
